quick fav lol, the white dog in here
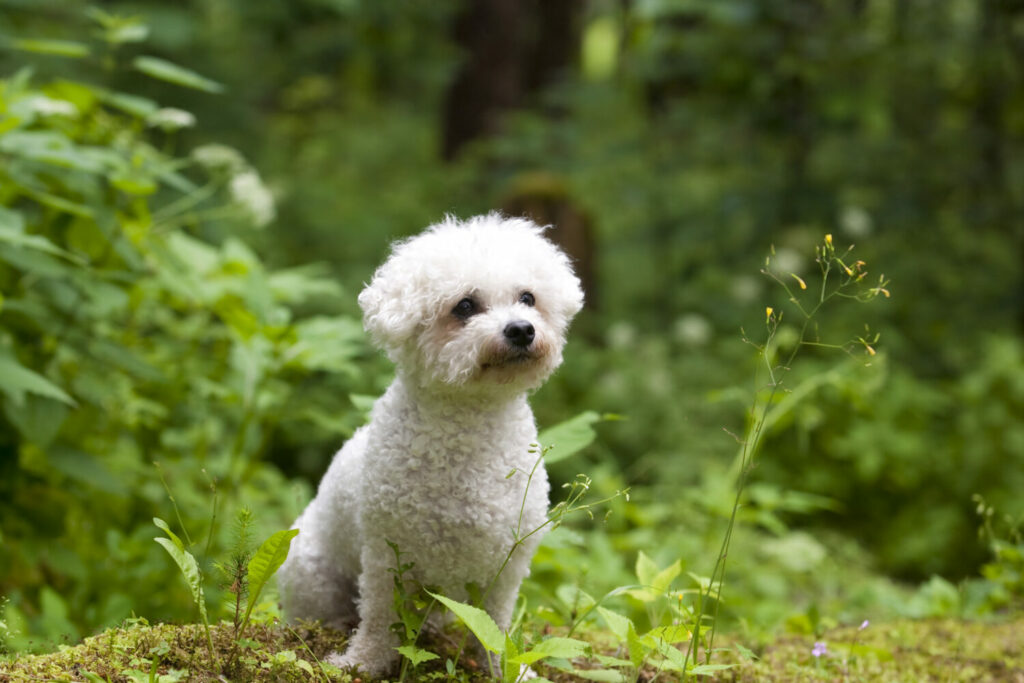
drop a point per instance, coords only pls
(474, 316)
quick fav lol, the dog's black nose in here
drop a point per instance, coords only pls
(519, 333)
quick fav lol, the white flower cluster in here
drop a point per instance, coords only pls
(170, 119)
(42, 105)
(253, 197)
(248, 192)
(219, 158)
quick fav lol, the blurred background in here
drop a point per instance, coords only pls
(194, 192)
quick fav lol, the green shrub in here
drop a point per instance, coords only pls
(903, 456)
(137, 327)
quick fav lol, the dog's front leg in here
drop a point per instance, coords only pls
(372, 647)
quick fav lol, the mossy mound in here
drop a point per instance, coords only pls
(929, 650)
(166, 653)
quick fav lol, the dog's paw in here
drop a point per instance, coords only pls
(348, 661)
(345, 662)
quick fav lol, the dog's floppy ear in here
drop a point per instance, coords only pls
(388, 315)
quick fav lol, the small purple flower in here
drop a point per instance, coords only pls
(820, 648)
(864, 625)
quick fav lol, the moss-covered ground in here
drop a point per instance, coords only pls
(929, 650)
(913, 651)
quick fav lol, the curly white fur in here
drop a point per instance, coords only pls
(430, 472)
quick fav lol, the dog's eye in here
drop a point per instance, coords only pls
(527, 298)
(464, 309)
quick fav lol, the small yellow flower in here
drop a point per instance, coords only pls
(803, 285)
(848, 271)
(871, 351)
(768, 313)
(828, 239)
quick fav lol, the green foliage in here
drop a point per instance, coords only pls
(137, 326)
(901, 437)
(248, 580)
(1003, 584)
(513, 657)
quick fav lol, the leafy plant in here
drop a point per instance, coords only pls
(514, 657)
(1004, 573)
(264, 563)
(189, 569)
(137, 325)
(841, 278)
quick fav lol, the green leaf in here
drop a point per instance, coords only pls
(163, 70)
(574, 597)
(676, 633)
(133, 182)
(60, 48)
(477, 621)
(646, 569)
(11, 221)
(300, 284)
(674, 659)
(50, 147)
(264, 564)
(56, 202)
(746, 653)
(655, 582)
(36, 242)
(118, 29)
(54, 616)
(86, 468)
(12, 231)
(666, 576)
(569, 437)
(618, 624)
(509, 665)
(186, 563)
(638, 649)
(708, 669)
(608, 660)
(167, 530)
(416, 655)
(329, 344)
(16, 380)
(139, 107)
(563, 648)
(37, 419)
(268, 559)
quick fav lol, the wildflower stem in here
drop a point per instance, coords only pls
(760, 412)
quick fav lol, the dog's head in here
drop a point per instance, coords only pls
(481, 303)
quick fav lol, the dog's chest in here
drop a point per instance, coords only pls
(455, 491)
